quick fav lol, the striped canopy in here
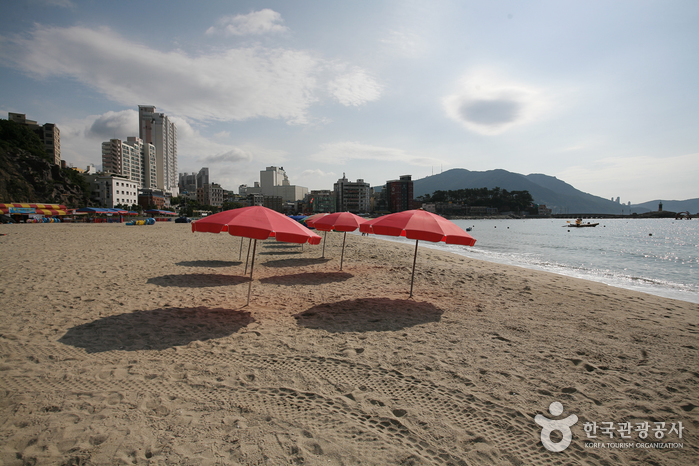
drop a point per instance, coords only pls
(42, 209)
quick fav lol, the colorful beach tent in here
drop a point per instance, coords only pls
(42, 209)
(93, 210)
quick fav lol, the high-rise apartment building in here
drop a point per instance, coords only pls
(49, 134)
(132, 159)
(148, 161)
(352, 196)
(157, 129)
(203, 177)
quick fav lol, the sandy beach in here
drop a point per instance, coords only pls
(133, 345)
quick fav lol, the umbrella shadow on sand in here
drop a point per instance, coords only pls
(368, 315)
(309, 278)
(157, 329)
(198, 280)
(208, 263)
(300, 262)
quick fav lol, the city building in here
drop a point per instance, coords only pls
(157, 129)
(110, 190)
(132, 159)
(352, 196)
(275, 182)
(188, 183)
(49, 134)
(151, 198)
(399, 194)
(191, 182)
(321, 201)
(210, 194)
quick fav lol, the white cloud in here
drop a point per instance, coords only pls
(638, 179)
(257, 22)
(234, 84)
(405, 43)
(232, 156)
(355, 88)
(57, 3)
(487, 104)
(114, 125)
(342, 152)
(316, 173)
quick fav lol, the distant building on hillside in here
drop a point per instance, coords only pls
(49, 134)
(352, 196)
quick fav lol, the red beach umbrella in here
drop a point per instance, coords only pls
(339, 221)
(308, 221)
(418, 225)
(256, 222)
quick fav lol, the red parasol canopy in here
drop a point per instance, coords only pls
(339, 221)
(418, 225)
(308, 221)
(256, 222)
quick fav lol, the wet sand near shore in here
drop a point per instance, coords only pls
(133, 345)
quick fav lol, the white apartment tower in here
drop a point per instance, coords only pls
(157, 129)
(131, 159)
(148, 161)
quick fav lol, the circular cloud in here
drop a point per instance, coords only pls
(487, 105)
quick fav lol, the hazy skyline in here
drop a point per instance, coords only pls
(602, 95)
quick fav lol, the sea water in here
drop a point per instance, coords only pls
(656, 256)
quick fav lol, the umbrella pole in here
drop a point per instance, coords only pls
(412, 278)
(324, 235)
(240, 254)
(342, 257)
(252, 266)
(248, 258)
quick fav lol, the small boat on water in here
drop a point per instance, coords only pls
(579, 224)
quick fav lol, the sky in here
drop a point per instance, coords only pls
(601, 94)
